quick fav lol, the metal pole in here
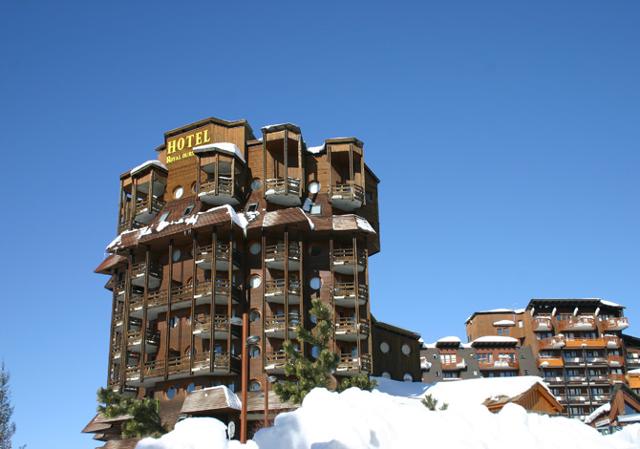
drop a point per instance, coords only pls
(265, 422)
(245, 372)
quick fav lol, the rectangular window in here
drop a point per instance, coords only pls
(316, 209)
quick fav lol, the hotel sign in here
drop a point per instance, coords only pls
(181, 146)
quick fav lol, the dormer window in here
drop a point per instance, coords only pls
(188, 210)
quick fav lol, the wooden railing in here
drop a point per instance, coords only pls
(276, 287)
(612, 341)
(347, 255)
(616, 377)
(349, 363)
(220, 323)
(142, 204)
(351, 190)
(348, 290)
(139, 269)
(543, 323)
(614, 324)
(499, 364)
(351, 326)
(282, 186)
(615, 360)
(222, 252)
(277, 252)
(153, 338)
(277, 358)
(279, 323)
(223, 187)
(583, 322)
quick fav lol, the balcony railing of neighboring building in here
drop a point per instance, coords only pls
(550, 362)
(453, 366)
(348, 197)
(542, 324)
(596, 360)
(612, 341)
(598, 378)
(615, 360)
(554, 379)
(505, 364)
(275, 256)
(577, 398)
(344, 294)
(349, 329)
(555, 342)
(577, 323)
(223, 255)
(632, 362)
(350, 364)
(600, 398)
(573, 360)
(134, 340)
(581, 343)
(344, 260)
(274, 290)
(614, 324)
(576, 378)
(616, 378)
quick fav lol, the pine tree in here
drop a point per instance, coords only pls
(304, 374)
(7, 427)
(432, 403)
(145, 413)
(362, 381)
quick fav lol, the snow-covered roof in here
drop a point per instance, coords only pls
(449, 339)
(225, 147)
(477, 391)
(152, 162)
(604, 408)
(494, 339)
(604, 302)
(316, 150)
(485, 312)
(504, 323)
(634, 371)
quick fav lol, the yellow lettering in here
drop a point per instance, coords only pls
(180, 143)
(207, 138)
(199, 138)
(171, 148)
(189, 139)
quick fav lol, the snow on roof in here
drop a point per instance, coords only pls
(146, 164)
(359, 419)
(364, 225)
(225, 147)
(449, 339)
(494, 339)
(504, 323)
(277, 125)
(316, 150)
(604, 302)
(232, 398)
(476, 391)
(634, 371)
(604, 408)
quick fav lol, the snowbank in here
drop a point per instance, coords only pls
(356, 419)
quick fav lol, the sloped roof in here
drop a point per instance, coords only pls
(218, 398)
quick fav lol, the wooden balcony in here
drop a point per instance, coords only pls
(275, 326)
(596, 360)
(550, 362)
(138, 274)
(146, 211)
(347, 329)
(275, 256)
(275, 362)
(614, 324)
(616, 378)
(285, 192)
(599, 379)
(576, 379)
(632, 362)
(346, 260)
(223, 257)
(569, 361)
(499, 365)
(542, 324)
(453, 366)
(274, 291)
(134, 341)
(225, 191)
(615, 360)
(344, 294)
(587, 343)
(221, 327)
(556, 342)
(350, 365)
(612, 341)
(178, 367)
(347, 197)
(577, 323)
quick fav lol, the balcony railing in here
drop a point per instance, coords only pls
(275, 256)
(344, 294)
(555, 342)
(349, 328)
(275, 362)
(224, 186)
(347, 196)
(280, 186)
(577, 323)
(580, 343)
(612, 341)
(350, 364)
(274, 290)
(614, 324)
(576, 378)
(145, 213)
(498, 364)
(345, 259)
(615, 360)
(542, 324)
(203, 324)
(135, 338)
(550, 362)
(223, 256)
(616, 378)
(573, 360)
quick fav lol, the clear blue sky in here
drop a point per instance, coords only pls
(506, 135)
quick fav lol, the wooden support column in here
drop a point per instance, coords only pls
(333, 302)
(264, 164)
(150, 192)
(230, 294)
(145, 301)
(194, 285)
(134, 202)
(233, 176)
(121, 212)
(216, 176)
(301, 309)
(263, 244)
(328, 147)
(286, 162)
(112, 328)
(286, 284)
(168, 320)
(212, 306)
(355, 285)
(303, 180)
(363, 178)
(368, 305)
(199, 176)
(125, 323)
(351, 176)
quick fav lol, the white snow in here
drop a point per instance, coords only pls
(504, 323)
(494, 339)
(449, 339)
(316, 150)
(226, 147)
(634, 371)
(609, 303)
(146, 164)
(364, 225)
(357, 419)
(597, 412)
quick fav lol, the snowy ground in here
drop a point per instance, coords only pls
(356, 419)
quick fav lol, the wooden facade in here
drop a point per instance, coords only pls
(222, 224)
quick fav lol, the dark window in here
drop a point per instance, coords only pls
(188, 210)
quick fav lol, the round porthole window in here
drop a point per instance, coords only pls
(313, 187)
(176, 255)
(178, 192)
(255, 281)
(386, 375)
(384, 347)
(313, 318)
(406, 350)
(407, 377)
(255, 248)
(254, 385)
(254, 315)
(315, 283)
(254, 352)
(191, 387)
(256, 184)
(315, 352)
(171, 393)
(193, 187)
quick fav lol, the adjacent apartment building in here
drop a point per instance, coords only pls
(223, 223)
